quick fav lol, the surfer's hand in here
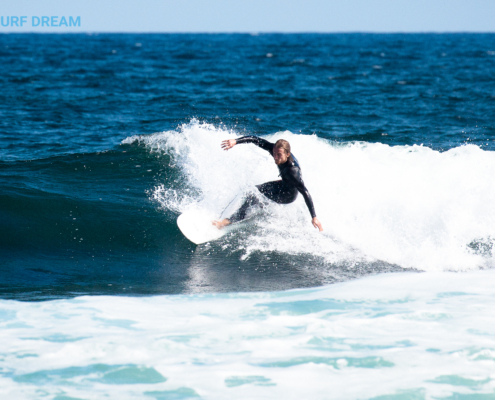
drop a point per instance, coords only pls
(228, 144)
(317, 224)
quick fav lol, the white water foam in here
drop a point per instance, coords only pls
(405, 205)
(404, 336)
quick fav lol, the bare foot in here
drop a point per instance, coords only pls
(221, 224)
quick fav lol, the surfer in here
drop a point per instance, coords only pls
(283, 191)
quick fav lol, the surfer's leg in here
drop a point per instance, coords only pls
(278, 191)
(250, 201)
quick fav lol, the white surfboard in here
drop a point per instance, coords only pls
(196, 225)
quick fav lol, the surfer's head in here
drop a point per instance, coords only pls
(281, 151)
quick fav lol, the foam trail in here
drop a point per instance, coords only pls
(405, 205)
(401, 336)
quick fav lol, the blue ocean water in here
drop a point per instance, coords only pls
(76, 210)
(106, 138)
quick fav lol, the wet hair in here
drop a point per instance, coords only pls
(284, 144)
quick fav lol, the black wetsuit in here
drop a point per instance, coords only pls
(282, 191)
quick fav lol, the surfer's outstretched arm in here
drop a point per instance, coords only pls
(309, 202)
(264, 144)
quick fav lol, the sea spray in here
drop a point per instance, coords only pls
(406, 205)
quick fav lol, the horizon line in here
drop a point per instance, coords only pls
(252, 33)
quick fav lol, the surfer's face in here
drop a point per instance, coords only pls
(280, 155)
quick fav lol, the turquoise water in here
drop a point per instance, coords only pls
(390, 336)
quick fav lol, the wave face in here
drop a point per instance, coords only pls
(88, 218)
(105, 222)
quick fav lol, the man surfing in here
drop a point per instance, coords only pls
(283, 191)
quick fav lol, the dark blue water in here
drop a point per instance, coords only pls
(75, 213)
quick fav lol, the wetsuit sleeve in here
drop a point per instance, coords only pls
(264, 144)
(294, 176)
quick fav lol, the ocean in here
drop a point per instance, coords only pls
(105, 139)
